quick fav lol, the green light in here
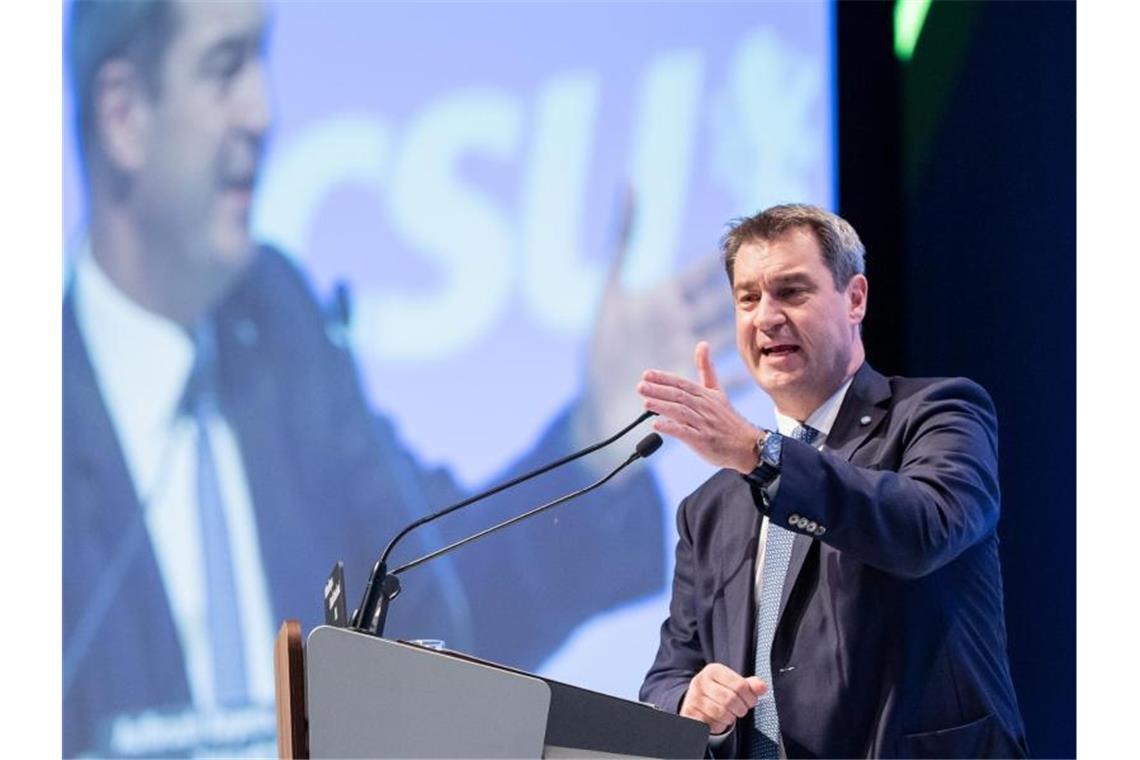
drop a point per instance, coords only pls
(909, 17)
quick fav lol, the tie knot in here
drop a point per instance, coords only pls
(805, 433)
(201, 386)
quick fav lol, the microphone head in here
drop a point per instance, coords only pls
(647, 445)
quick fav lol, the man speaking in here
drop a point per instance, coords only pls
(837, 590)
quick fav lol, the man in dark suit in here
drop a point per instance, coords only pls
(837, 590)
(198, 369)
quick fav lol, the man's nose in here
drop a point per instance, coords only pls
(254, 109)
(768, 315)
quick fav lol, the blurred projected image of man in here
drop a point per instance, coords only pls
(219, 455)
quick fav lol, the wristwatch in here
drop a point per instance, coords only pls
(768, 448)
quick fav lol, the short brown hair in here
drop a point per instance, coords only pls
(843, 252)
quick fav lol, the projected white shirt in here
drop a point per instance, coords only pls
(141, 363)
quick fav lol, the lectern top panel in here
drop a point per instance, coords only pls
(371, 697)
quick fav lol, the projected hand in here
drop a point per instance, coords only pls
(655, 327)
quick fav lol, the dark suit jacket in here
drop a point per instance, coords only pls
(891, 637)
(328, 480)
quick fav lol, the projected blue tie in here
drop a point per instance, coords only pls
(224, 620)
(777, 553)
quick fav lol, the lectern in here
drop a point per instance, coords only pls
(350, 694)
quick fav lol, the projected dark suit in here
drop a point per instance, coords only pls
(891, 636)
(328, 480)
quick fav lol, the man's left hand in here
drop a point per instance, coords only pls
(700, 415)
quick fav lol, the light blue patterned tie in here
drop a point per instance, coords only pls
(224, 620)
(777, 554)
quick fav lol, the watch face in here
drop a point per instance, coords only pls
(771, 452)
(769, 466)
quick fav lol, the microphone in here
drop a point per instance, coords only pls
(382, 587)
(644, 449)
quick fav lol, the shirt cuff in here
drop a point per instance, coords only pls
(717, 741)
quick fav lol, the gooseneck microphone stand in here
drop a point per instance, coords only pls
(383, 586)
(645, 447)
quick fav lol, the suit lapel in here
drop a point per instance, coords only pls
(257, 403)
(859, 416)
(113, 592)
(93, 462)
(861, 412)
(740, 580)
(251, 403)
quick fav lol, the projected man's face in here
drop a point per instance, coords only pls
(205, 128)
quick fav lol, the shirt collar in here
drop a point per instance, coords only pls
(822, 418)
(141, 360)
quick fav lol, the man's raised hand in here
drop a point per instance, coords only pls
(700, 415)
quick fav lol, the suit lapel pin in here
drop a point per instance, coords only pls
(865, 420)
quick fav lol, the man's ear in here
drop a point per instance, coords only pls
(121, 115)
(857, 298)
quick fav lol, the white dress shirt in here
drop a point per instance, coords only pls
(822, 420)
(141, 363)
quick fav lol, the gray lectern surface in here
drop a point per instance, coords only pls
(371, 697)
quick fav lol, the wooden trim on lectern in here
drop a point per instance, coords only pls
(289, 672)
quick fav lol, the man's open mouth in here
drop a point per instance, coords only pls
(782, 349)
